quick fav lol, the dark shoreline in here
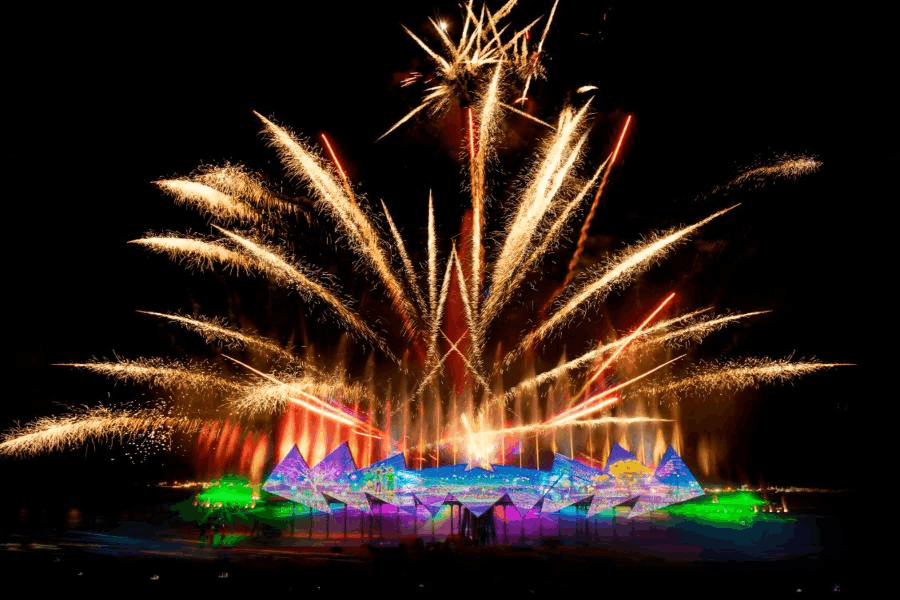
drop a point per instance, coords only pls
(156, 553)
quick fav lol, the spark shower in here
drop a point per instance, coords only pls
(446, 379)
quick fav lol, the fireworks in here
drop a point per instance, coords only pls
(735, 375)
(99, 425)
(215, 333)
(478, 57)
(445, 375)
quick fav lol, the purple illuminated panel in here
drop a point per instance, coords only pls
(532, 497)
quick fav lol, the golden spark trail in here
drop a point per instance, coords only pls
(53, 434)
(237, 182)
(657, 334)
(432, 260)
(736, 375)
(496, 39)
(618, 421)
(555, 165)
(478, 152)
(440, 92)
(618, 347)
(476, 177)
(588, 358)
(469, 366)
(628, 339)
(531, 117)
(537, 52)
(538, 427)
(499, 297)
(791, 168)
(355, 223)
(436, 316)
(590, 405)
(629, 264)
(279, 268)
(212, 331)
(480, 46)
(553, 170)
(435, 325)
(404, 257)
(198, 253)
(697, 331)
(209, 200)
(583, 234)
(504, 10)
(437, 58)
(434, 370)
(270, 400)
(476, 339)
(442, 33)
(475, 38)
(464, 39)
(157, 373)
(312, 403)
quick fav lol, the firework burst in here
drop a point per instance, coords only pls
(444, 376)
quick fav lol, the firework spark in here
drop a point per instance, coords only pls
(196, 253)
(357, 226)
(158, 373)
(586, 226)
(618, 272)
(209, 200)
(238, 183)
(214, 332)
(445, 389)
(470, 70)
(789, 167)
(731, 376)
(99, 425)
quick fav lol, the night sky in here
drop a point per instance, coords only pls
(95, 112)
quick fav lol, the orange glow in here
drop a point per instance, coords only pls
(258, 463)
(306, 439)
(320, 449)
(286, 433)
(232, 444)
(298, 427)
(386, 440)
(247, 448)
(370, 440)
(421, 456)
(221, 440)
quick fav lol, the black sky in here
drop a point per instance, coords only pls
(98, 105)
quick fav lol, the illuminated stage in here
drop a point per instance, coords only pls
(570, 490)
